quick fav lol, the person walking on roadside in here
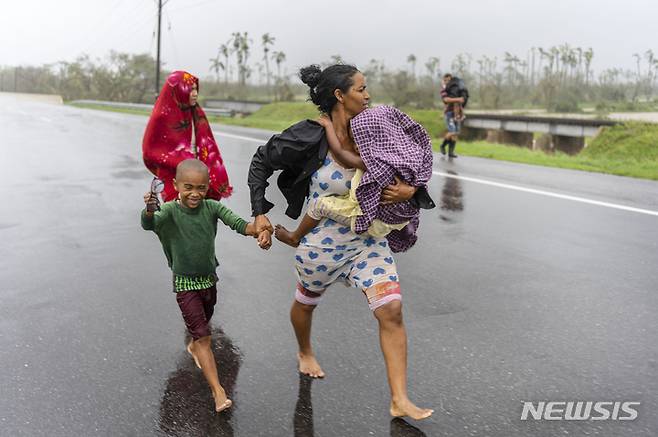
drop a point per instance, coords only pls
(177, 130)
(453, 123)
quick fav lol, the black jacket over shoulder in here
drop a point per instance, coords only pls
(299, 151)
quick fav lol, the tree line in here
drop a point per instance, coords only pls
(558, 78)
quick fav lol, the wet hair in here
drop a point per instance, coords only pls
(323, 83)
(191, 165)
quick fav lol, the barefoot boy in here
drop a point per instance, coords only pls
(187, 228)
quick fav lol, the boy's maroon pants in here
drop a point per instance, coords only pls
(197, 308)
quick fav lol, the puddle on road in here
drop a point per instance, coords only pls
(187, 406)
(452, 198)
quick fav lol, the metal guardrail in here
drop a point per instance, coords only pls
(221, 112)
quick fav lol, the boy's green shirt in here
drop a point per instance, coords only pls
(188, 234)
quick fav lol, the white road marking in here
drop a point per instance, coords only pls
(239, 137)
(500, 185)
(547, 193)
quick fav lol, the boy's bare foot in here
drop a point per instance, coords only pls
(407, 408)
(221, 401)
(224, 405)
(189, 349)
(285, 236)
(308, 365)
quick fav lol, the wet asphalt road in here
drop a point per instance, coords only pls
(508, 297)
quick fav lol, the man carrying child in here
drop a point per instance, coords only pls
(454, 101)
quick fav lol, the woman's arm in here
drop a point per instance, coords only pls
(345, 156)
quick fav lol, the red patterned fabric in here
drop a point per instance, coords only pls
(168, 137)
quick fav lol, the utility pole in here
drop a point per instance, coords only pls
(157, 62)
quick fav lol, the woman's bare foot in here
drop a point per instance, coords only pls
(308, 365)
(285, 236)
(189, 349)
(221, 401)
(407, 408)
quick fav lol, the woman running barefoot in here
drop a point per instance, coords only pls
(332, 252)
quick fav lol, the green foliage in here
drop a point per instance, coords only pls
(625, 150)
(276, 116)
(645, 169)
(431, 119)
(626, 142)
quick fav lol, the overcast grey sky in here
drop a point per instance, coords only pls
(35, 32)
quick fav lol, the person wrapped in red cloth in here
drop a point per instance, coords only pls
(178, 130)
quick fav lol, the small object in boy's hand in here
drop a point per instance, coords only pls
(157, 186)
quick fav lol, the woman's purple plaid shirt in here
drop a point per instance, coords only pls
(391, 143)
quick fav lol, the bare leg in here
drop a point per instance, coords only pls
(393, 340)
(201, 349)
(293, 238)
(301, 317)
(189, 349)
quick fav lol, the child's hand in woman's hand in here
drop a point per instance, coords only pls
(265, 240)
(325, 122)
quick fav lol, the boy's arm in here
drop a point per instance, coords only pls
(347, 157)
(241, 226)
(231, 219)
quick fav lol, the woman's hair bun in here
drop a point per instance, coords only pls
(310, 75)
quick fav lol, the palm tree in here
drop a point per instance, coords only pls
(336, 59)
(216, 65)
(224, 51)
(411, 59)
(588, 55)
(653, 64)
(244, 48)
(267, 41)
(278, 57)
(432, 66)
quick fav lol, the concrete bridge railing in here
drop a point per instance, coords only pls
(565, 134)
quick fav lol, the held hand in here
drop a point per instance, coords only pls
(262, 223)
(265, 240)
(398, 191)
